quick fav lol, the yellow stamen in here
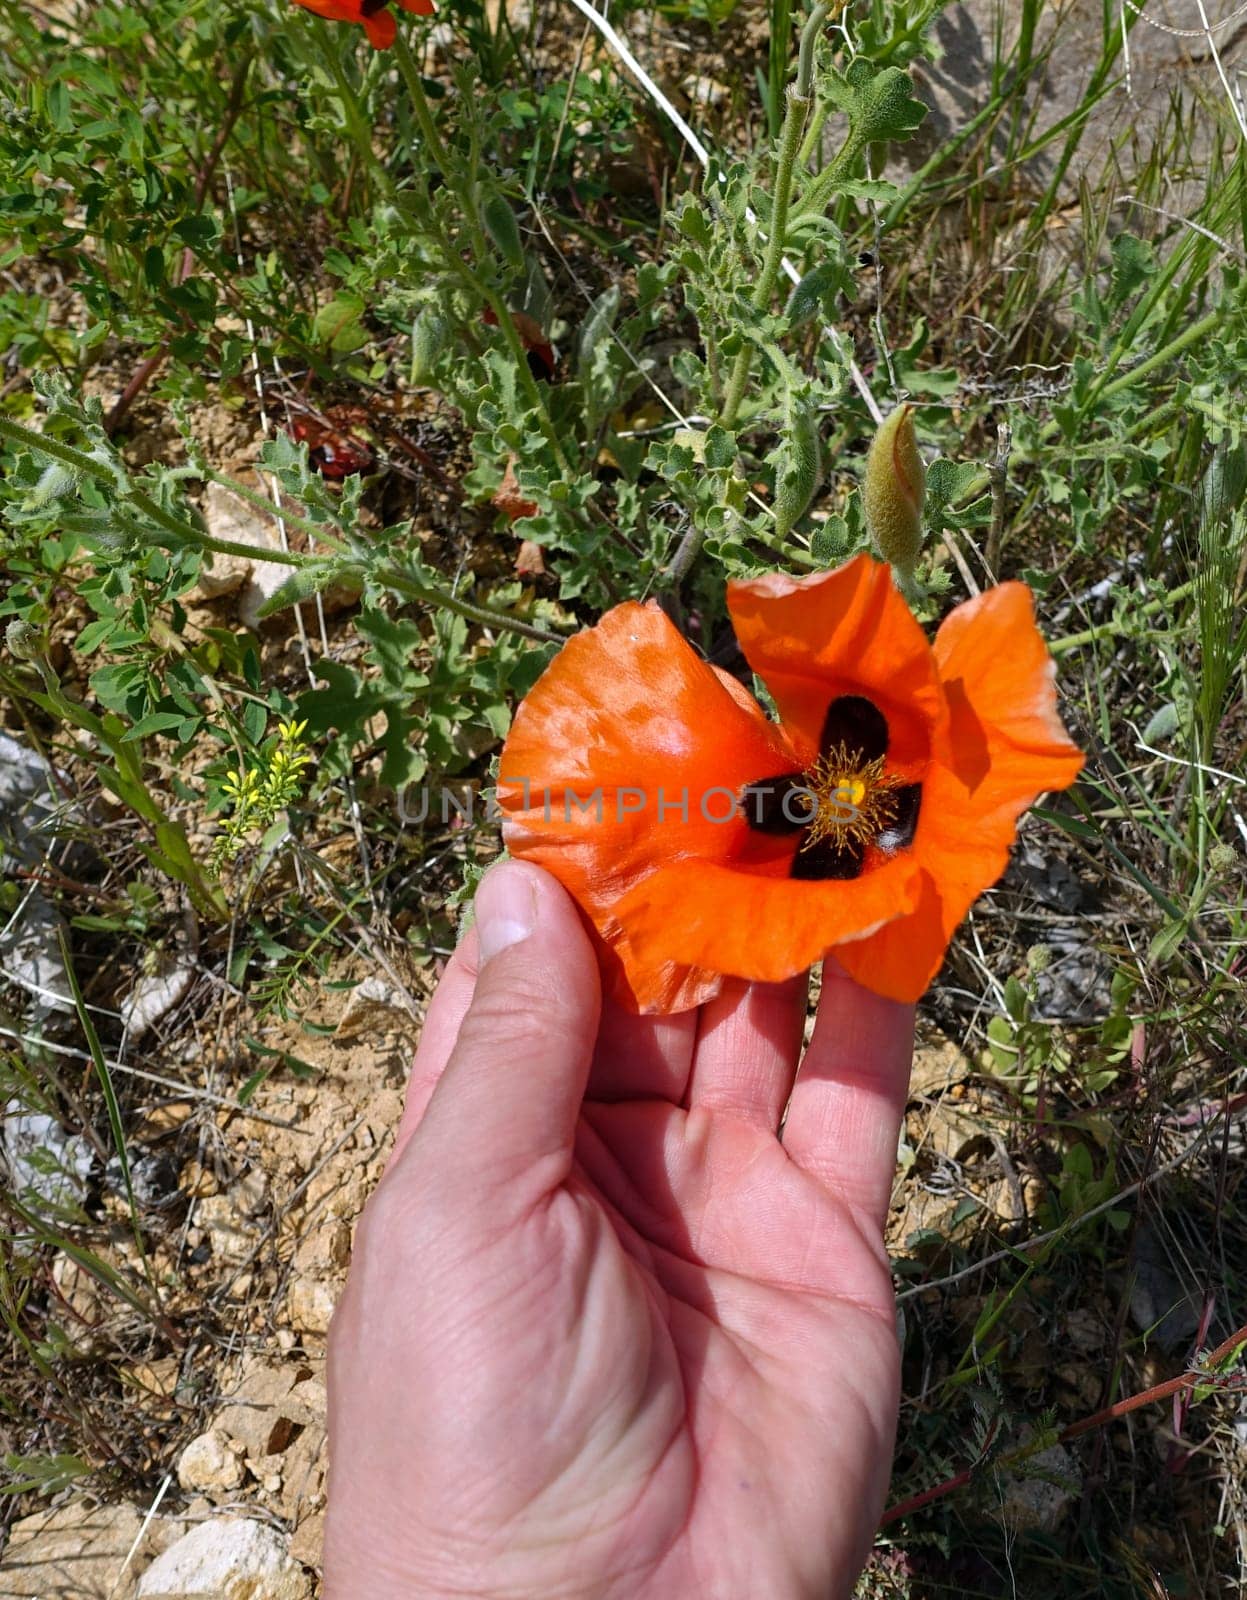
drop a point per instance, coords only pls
(851, 799)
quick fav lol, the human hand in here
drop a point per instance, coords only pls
(605, 1335)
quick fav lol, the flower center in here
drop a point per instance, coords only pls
(851, 799)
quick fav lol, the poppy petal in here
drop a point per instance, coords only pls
(333, 10)
(768, 928)
(828, 857)
(380, 27)
(844, 633)
(858, 725)
(782, 805)
(630, 753)
(1004, 747)
(418, 8)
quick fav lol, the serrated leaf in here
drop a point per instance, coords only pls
(1134, 262)
(719, 447)
(868, 188)
(879, 104)
(951, 482)
(811, 295)
(829, 542)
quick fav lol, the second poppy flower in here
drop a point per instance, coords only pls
(374, 16)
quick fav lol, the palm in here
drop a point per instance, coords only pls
(617, 1339)
(768, 1395)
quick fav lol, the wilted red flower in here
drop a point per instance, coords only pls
(332, 449)
(373, 16)
(702, 839)
(510, 498)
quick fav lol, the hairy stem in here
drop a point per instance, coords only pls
(799, 100)
(183, 532)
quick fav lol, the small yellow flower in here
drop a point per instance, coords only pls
(260, 794)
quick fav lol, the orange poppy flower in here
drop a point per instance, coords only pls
(374, 16)
(702, 839)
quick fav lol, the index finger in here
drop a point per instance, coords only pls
(844, 1116)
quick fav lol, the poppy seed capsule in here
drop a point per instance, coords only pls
(893, 487)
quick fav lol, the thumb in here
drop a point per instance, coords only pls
(503, 1117)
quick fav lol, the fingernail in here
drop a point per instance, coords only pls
(506, 910)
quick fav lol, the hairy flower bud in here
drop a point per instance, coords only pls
(500, 224)
(1038, 959)
(892, 492)
(23, 640)
(798, 463)
(55, 482)
(430, 334)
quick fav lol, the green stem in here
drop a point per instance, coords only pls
(393, 579)
(1113, 630)
(799, 100)
(186, 532)
(1175, 347)
(468, 210)
(357, 124)
(314, 530)
(813, 133)
(420, 104)
(823, 187)
(64, 453)
(1192, 335)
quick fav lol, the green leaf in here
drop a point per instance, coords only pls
(597, 327)
(693, 224)
(951, 482)
(1166, 942)
(254, 720)
(338, 325)
(154, 722)
(879, 104)
(40, 1474)
(814, 293)
(1162, 724)
(500, 224)
(1015, 999)
(1134, 263)
(868, 188)
(345, 702)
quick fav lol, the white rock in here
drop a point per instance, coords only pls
(704, 91)
(229, 1233)
(210, 1464)
(153, 996)
(232, 520)
(40, 1158)
(81, 1551)
(310, 1304)
(255, 582)
(30, 956)
(1037, 1496)
(226, 1560)
(367, 1005)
